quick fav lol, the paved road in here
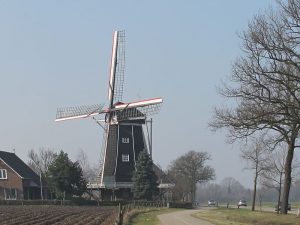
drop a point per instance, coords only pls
(181, 218)
(184, 217)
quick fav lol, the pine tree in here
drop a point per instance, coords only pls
(65, 177)
(144, 179)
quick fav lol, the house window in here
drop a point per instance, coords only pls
(125, 157)
(10, 193)
(3, 174)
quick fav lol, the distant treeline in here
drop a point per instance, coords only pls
(230, 190)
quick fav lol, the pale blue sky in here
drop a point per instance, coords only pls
(56, 53)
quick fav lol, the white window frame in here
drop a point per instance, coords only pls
(3, 174)
(125, 157)
(125, 140)
(11, 193)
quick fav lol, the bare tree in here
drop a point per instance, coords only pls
(266, 83)
(229, 190)
(190, 169)
(232, 189)
(90, 171)
(181, 191)
(207, 191)
(272, 177)
(256, 157)
(40, 160)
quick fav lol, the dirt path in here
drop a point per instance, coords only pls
(181, 218)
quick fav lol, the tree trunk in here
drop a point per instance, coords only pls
(278, 200)
(254, 191)
(279, 192)
(288, 176)
(194, 192)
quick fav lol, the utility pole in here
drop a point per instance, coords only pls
(41, 184)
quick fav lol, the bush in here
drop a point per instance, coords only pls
(183, 205)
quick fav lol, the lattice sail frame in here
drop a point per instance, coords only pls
(117, 68)
(120, 68)
(76, 112)
(136, 112)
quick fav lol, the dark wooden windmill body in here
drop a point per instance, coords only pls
(123, 125)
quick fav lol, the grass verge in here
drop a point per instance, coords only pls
(148, 217)
(223, 216)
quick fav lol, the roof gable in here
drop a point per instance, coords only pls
(16, 164)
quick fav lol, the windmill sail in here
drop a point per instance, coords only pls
(77, 112)
(120, 69)
(117, 68)
(142, 103)
(134, 110)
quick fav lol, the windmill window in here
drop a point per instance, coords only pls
(3, 174)
(125, 140)
(125, 157)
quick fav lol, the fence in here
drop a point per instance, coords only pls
(128, 207)
(35, 202)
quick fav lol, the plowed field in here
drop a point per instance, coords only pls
(48, 215)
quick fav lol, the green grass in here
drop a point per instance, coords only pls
(272, 204)
(263, 204)
(295, 204)
(223, 216)
(149, 217)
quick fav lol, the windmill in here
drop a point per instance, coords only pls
(123, 124)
